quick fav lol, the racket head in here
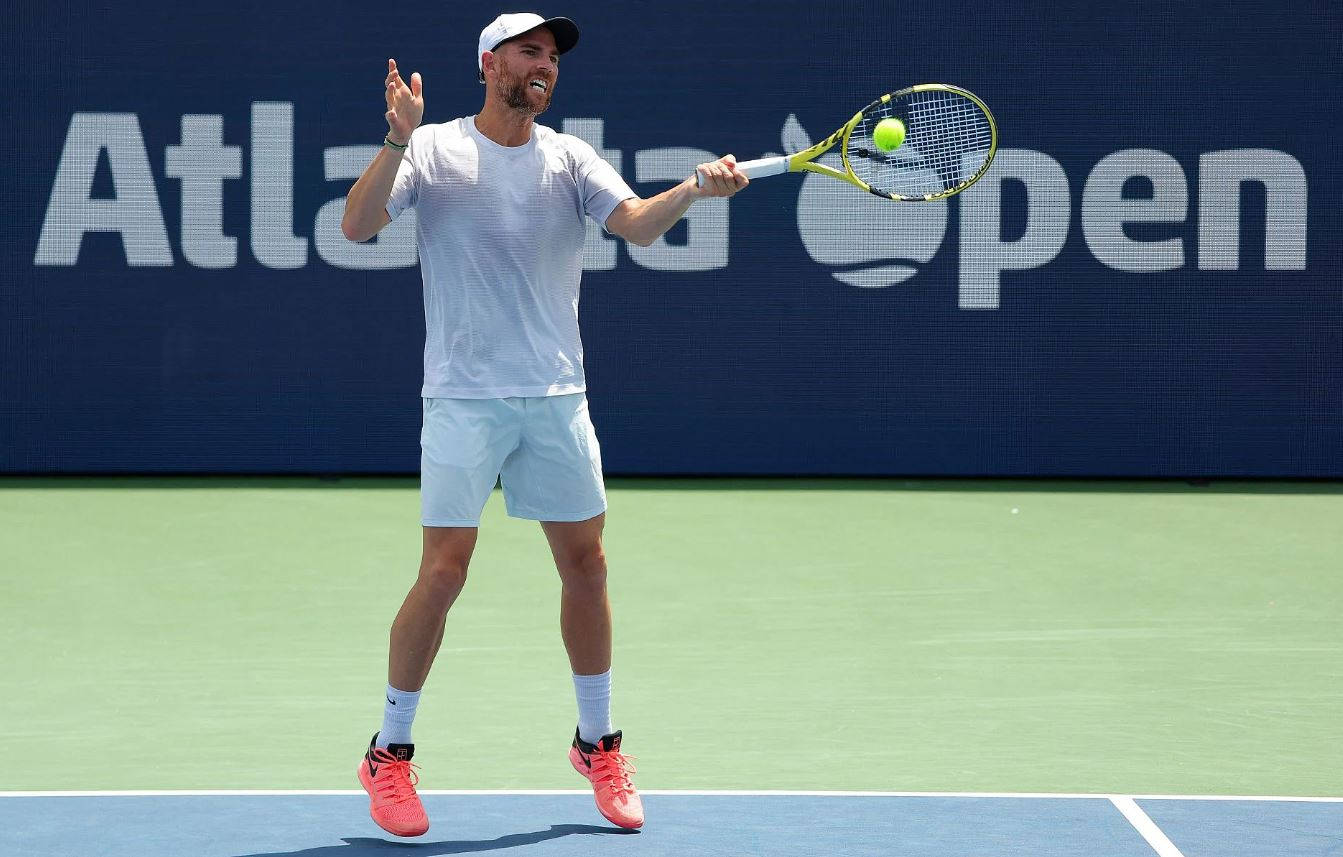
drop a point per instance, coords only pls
(950, 140)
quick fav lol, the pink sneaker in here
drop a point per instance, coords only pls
(387, 777)
(609, 772)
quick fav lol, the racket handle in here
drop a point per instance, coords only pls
(755, 169)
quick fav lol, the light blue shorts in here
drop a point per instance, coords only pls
(542, 449)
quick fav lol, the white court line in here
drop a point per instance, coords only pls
(1146, 826)
(669, 792)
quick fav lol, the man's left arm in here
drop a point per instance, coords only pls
(643, 221)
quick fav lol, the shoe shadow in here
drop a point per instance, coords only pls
(362, 846)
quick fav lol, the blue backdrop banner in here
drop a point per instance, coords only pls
(1146, 283)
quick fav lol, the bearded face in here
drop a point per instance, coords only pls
(526, 91)
(526, 68)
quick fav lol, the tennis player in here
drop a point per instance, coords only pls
(500, 204)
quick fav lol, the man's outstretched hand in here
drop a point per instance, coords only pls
(405, 104)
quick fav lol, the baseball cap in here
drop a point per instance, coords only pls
(512, 24)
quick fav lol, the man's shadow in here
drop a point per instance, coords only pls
(361, 846)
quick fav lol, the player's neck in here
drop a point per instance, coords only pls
(504, 125)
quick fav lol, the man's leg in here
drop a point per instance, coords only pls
(418, 630)
(585, 624)
(585, 611)
(385, 771)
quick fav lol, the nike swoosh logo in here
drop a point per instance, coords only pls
(392, 701)
(372, 768)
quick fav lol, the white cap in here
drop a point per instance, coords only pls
(512, 24)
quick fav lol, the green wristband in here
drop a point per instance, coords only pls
(387, 141)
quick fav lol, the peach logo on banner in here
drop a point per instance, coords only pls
(871, 242)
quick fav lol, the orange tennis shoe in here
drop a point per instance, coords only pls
(609, 772)
(388, 778)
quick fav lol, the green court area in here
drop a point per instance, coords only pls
(930, 635)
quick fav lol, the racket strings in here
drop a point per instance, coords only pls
(948, 139)
(945, 128)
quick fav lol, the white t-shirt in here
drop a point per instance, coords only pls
(500, 232)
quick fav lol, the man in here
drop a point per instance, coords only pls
(500, 205)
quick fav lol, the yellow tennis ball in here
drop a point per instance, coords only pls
(889, 134)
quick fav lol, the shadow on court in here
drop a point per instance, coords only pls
(361, 846)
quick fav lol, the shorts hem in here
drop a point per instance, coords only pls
(425, 522)
(559, 517)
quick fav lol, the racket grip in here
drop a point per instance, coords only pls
(755, 169)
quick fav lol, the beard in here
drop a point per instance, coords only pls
(516, 94)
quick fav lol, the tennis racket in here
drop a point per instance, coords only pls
(950, 141)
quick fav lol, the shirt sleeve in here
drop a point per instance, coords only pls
(599, 185)
(406, 187)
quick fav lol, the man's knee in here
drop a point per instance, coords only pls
(583, 567)
(443, 576)
(447, 553)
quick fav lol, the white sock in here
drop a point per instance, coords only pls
(397, 715)
(594, 706)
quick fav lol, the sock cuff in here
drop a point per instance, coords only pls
(593, 685)
(402, 700)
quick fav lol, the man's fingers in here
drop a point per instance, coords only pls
(710, 174)
(725, 165)
(721, 177)
(730, 172)
(399, 95)
(734, 179)
(714, 182)
(738, 179)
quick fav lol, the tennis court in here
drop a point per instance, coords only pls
(930, 667)
(975, 471)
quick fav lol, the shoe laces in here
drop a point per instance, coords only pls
(614, 768)
(396, 779)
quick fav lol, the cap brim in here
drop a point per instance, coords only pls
(564, 31)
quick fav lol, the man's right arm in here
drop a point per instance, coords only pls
(366, 204)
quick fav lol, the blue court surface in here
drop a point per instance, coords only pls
(336, 824)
